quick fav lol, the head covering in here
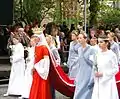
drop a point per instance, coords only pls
(108, 31)
(20, 29)
(42, 38)
(37, 30)
(103, 38)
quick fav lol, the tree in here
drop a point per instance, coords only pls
(94, 9)
(109, 13)
(66, 10)
(32, 9)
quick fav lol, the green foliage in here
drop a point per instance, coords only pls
(57, 15)
(109, 15)
(32, 9)
(94, 9)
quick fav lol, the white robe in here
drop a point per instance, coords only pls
(28, 73)
(15, 86)
(105, 87)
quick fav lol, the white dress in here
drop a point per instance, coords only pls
(105, 87)
(28, 73)
(15, 86)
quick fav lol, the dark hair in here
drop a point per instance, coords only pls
(115, 38)
(105, 39)
(108, 46)
(49, 27)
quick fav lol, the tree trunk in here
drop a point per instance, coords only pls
(94, 8)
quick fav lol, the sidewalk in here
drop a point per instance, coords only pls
(5, 67)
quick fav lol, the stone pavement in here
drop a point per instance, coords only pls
(4, 71)
(3, 89)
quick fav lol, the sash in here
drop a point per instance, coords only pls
(88, 47)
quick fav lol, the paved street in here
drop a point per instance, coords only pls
(3, 89)
(4, 71)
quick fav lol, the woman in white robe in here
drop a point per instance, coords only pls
(106, 67)
(15, 86)
(28, 72)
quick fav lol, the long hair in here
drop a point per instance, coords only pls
(49, 27)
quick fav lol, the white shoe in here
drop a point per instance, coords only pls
(5, 95)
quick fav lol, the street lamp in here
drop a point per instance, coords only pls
(85, 14)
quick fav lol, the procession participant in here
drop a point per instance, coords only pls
(93, 43)
(25, 39)
(40, 88)
(54, 50)
(72, 62)
(84, 80)
(59, 80)
(28, 71)
(113, 45)
(52, 29)
(15, 86)
(106, 67)
(56, 55)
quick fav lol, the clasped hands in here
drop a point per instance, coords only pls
(98, 74)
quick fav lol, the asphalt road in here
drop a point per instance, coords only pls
(3, 89)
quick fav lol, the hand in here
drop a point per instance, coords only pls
(27, 60)
(32, 71)
(11, 59)
(98, 74)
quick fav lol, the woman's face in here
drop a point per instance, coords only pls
(73, 36)
(34, 41)
(81, 39)
(93, 42)
(27, 28)
(110, 37)
(102, 44)
(54, 32)
(48, 39)
(15, 41)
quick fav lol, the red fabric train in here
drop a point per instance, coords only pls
(118, 82)
(60, 80)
